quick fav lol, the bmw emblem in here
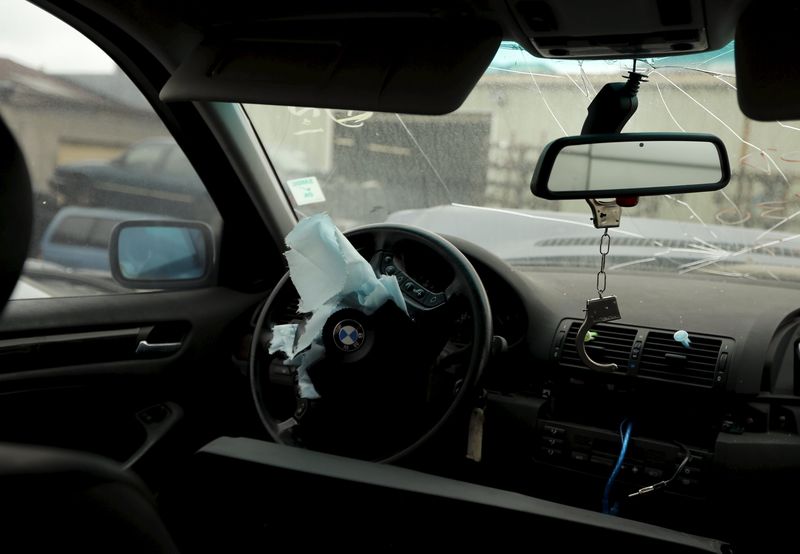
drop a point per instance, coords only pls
(348, 335)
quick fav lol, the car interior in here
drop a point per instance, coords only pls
(270, 375)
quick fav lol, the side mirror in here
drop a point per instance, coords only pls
(162, 254)
(634, 164)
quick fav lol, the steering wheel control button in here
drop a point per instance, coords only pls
(348, 335)
(417, 292)
(434, 299)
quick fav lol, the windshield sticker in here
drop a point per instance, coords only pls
(311, 116)
(350, 118)
(306, 191)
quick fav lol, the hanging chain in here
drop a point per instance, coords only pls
(605, 247)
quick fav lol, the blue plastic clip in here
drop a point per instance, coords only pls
(683, 338)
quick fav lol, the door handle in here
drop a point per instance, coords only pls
(157, 347)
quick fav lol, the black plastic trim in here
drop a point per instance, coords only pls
(243, 467)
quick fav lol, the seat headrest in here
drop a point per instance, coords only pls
(16, 212)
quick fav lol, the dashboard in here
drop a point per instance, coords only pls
(719, 420)
(714, 429)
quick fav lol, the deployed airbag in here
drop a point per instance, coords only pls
(329, 275)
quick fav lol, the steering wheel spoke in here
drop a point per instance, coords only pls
(453, 290)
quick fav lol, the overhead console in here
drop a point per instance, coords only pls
(599, 29)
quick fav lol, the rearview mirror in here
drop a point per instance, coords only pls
(635, 164)
(162, 254)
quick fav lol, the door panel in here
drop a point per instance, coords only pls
(71, 376)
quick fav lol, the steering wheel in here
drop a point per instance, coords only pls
(387, 381)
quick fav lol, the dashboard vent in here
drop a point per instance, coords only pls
(611, 345)
(664, 358)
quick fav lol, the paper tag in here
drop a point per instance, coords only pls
(306, 191)
(475, 437)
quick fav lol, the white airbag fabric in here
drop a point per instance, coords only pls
(329, 275)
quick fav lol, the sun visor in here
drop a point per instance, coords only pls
(767, 63)
(421, 66)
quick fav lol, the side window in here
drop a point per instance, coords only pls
(96, 151)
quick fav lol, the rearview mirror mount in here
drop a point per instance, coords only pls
(630, 165)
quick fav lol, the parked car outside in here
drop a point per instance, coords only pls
(154, 169)
(77, 238)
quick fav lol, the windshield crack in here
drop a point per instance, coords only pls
(425, 156)
(728, 127)
(546, 103)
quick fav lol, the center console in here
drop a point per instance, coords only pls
(595, 451)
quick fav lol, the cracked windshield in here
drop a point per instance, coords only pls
(468, 173)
